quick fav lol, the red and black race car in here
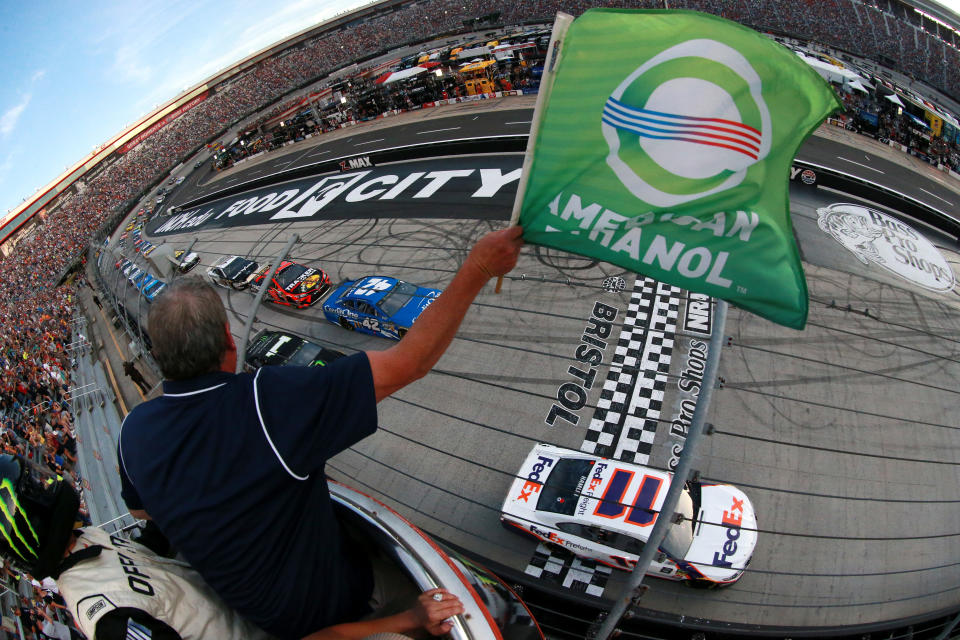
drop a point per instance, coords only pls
(295, 285)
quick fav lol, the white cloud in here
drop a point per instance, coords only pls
(10, 117)
(5, 168)
(8, 121)
(250, 36)
(134, 50)
(7, 165)
(292, 18)
(128, 66)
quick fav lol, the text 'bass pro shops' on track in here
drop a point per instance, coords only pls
(476, 188)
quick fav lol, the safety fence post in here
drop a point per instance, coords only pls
(947, 629)
(267, 281)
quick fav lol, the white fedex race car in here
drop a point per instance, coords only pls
(604, 510)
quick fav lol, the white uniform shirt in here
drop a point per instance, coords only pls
(128, 575)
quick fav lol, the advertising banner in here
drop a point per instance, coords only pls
(665, 146)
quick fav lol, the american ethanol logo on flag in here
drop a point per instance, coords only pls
(664, 145)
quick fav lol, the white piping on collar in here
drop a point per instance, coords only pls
(193, 393)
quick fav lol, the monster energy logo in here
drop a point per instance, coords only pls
(9, 523)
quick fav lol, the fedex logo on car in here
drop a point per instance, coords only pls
(595, 481)
(547, 535)
(597, 477)
(533, 484)
(731, 521)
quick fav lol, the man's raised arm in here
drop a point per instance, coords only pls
(495, 254)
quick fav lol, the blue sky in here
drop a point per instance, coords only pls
(76, 73)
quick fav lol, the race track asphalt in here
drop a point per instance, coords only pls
(844, 435)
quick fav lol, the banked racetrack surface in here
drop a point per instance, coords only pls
(844, 435)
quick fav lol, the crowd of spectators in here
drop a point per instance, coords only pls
(886, 31)
(36, 423)
(39, 611)
(35, 368)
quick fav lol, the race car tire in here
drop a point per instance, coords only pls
(402, 332)
(346, 325)
(236, 286)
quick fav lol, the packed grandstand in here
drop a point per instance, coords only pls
(36, 317)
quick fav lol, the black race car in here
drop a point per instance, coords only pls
(235, 272)
(280, 347)
(294, 285)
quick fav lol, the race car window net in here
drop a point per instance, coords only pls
(562, 489)
(306, 355)
(602, 536)
(286, 277)
(680, 536)
(399, 296)
(238, 267)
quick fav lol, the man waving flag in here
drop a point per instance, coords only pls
(663, 144)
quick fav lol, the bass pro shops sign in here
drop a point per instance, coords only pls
(876, 238)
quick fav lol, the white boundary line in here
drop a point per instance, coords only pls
(888, 189)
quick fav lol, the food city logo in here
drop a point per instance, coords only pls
(704, 150)
(304, 200)
(875, 237)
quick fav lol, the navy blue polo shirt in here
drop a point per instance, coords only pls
(231, 468)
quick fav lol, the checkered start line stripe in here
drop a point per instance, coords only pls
(569, 571)
(625, 421)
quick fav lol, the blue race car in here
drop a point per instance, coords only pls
(378, 305)
(145, 281)
(153, 290)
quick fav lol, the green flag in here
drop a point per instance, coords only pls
(665, 146)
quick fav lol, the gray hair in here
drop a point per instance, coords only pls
(187, 325)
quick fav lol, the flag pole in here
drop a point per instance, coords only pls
(560, 26)
(631, 592)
